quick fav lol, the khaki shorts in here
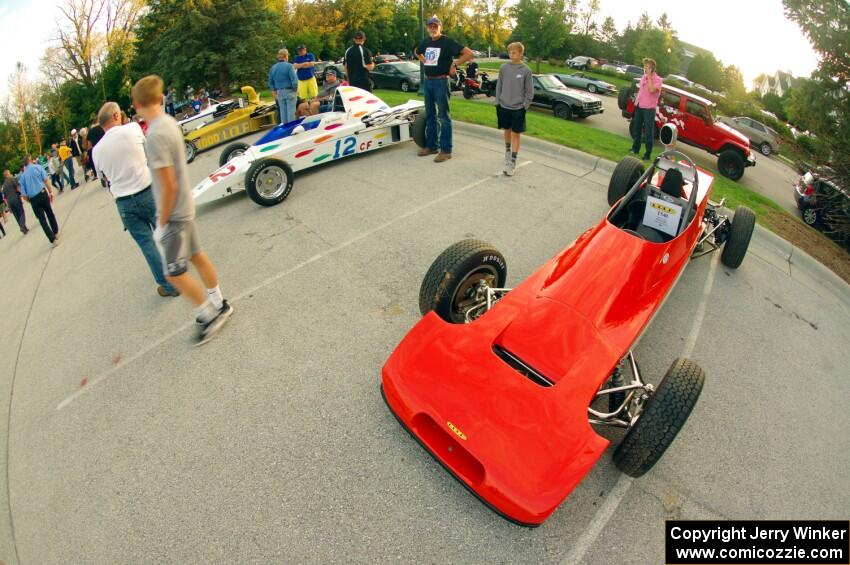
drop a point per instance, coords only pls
(178, 245)
(308, 89)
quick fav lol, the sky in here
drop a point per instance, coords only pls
(752, 34)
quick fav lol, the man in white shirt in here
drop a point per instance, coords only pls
(120, 159)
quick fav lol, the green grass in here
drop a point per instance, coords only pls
(549, 68)
(576, 135)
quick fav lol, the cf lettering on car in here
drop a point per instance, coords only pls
(365, 145)
(456, 431)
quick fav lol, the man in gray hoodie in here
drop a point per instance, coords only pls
(514, 93)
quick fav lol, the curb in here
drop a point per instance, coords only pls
(578, 159)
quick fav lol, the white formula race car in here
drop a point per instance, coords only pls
(359, 122)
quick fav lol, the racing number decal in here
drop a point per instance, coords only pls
(347, 146)
(221, 173)
(365, 146)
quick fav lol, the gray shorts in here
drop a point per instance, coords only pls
(178, 244)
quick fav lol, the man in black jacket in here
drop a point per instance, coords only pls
(358, 63)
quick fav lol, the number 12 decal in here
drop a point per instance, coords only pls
(347, 146)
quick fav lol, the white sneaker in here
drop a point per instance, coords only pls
(510, 168)
(207, 331)
(507, 159)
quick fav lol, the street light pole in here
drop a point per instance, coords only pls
(421, 91)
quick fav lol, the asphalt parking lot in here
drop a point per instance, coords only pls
(272, 443)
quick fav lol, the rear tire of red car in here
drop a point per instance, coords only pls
(231, 151)
(623, 97)
(740, 233)
(467, 93)
(417, 129)
(268, 181)
(625, 175)
(663, 416)
(449, 284)
(730, 163)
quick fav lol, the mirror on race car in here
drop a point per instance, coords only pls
(668, 135)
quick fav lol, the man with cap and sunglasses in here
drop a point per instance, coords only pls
(358, 62)
(437, 55)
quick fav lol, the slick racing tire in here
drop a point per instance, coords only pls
(191, 151)
(625, 175)
(231, 151)
(730, 163)
(268, 181)
(740, 233)
(450, 283)
(417, 129)
(662, 417)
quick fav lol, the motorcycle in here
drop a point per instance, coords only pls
(479, 85)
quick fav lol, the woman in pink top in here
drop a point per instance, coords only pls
(647, 100)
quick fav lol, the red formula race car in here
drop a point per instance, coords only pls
(500, 385)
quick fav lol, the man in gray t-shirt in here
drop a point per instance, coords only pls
(176, 234)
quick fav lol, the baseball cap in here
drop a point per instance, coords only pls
(434, 20)
(302, 46)
(359, 33)
(330, 71)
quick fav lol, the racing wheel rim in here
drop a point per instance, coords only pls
(464, 297)
(271, 182)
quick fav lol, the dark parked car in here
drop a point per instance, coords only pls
(402, 75)
(565, 102)
(633, 71)
(385, 58)
(825, 206)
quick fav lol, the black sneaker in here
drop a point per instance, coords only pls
(207, 331)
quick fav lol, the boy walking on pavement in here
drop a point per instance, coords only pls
(514, 93)
(176, 234)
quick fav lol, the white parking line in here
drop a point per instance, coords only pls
(99, 378)
(621, 488)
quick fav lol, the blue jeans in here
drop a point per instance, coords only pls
(286, 104)
(643, 118)
(138, 214)
(69, 167)
(437, 107)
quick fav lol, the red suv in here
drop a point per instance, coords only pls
(691, 114)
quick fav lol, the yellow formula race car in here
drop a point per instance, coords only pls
(231, 120)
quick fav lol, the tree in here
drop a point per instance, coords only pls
(706, 70)
(774, 104)
(540, 25)
(22, 101)
(664, 23)
(733, 83)
(79, 40)
(657, 44)
(590, 11)
(627, 43)
(609, 38)
(174, 40)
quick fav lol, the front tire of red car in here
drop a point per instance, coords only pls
(450, 282)
(730, 163)
(625, 175)
(663, 416)
(740, 233)
(623, 97)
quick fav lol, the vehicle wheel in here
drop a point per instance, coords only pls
(591, 88)
(623, 97)
(231, 151)
(467, 93)
(810, 216)
(661, 419)
(449, 285)
(765, 149)
(740, 233)
(191, 151)
(405, 86)
(268, 181)
(563, 111)
(625, 175)
(417, 129)
(371, 85)
(730, 163)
